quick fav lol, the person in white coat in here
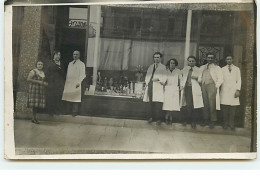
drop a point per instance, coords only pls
(171, 102)
(230, 92)
(191, 94)
(211, 79)
(154, 92)
(72, 89)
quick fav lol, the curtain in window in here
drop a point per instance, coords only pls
(142, 52)
(120, 54)
(114, 54)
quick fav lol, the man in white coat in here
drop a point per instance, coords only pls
(191, 94)
(154, 92)
(211, 79)
(230, 92)
(72, 88)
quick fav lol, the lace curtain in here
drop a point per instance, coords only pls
(120, 54)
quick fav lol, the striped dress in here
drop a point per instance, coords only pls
(37, 92)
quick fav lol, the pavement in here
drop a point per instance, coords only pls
(65, 134)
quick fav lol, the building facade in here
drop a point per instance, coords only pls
(118, 41)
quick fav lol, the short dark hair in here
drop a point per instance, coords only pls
(158, 53)
(168, 63)
(192, 57)
(76, 51)
(55, 52)
(210, 53)
(229, 55)
(38, 62)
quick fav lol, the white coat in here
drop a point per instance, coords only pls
(172, 90)
(232, 82)
(75, 75)
(158, 91)
(217, 76)
(196, 89)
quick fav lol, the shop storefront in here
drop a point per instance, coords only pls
(117, 45)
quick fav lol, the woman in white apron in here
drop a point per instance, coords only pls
(172, 91)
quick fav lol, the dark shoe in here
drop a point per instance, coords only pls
(184, 123)
(159, 122)
(74, 114)
(203, 124)
(150, 120)
(193, 125)
(168, 122)
(211, 125)
(35, 121)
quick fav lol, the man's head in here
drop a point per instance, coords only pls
(229, 60)
(157, 57)
(76, 55)
(191, 61)
(211, 58)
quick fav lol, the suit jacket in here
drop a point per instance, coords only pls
(232, 82)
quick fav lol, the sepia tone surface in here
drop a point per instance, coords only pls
(113, 123)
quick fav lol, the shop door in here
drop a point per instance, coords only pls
(73, 39)
(71, 32)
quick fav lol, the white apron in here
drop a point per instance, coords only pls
(75, 75)
(232, 82)
(172, 92)
(158, 92)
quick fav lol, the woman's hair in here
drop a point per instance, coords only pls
(158, 53)
(192, 57)
(54, 53)
(38, 62)
(168, 63)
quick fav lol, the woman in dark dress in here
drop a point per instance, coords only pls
(56, 79)
(37, 90)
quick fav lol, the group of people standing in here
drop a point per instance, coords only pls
(169, 89)
(53, 89)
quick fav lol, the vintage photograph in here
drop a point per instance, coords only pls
(150, 79)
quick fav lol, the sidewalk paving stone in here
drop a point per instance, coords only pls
(66, 134)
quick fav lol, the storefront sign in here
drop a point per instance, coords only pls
(78, 23)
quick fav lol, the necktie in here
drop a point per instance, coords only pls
(154, 68)
(189, 76)
(229, 68)
(74, 62)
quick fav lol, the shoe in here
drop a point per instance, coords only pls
(159, 123)
(74, 114)
(193, 125)
(211, 125)
(203, 124)
(225, 127)
(184, 123)
(35, 121)
(233, 128)
(168, 122)
(150, 120)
